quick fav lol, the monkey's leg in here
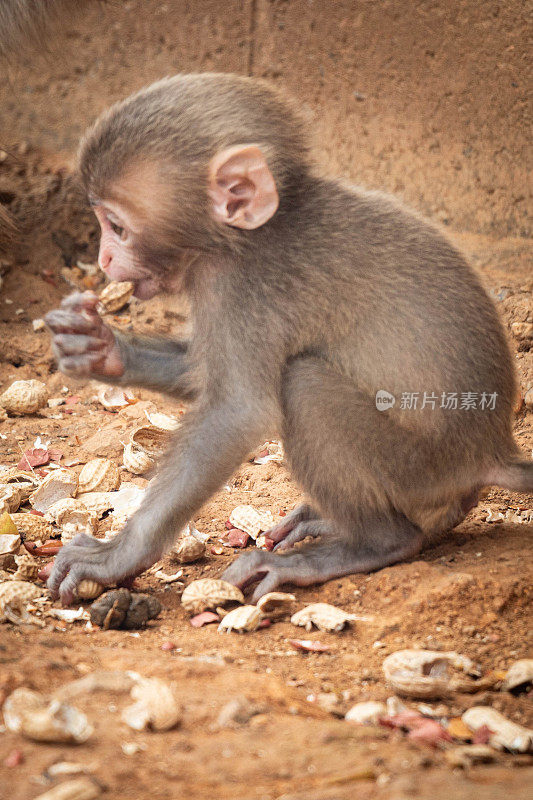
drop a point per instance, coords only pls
(324, 560)
(301, 513)
(340, 448)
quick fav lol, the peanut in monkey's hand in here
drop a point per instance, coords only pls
(83, 345)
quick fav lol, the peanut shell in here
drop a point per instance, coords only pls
(24, 397)
(150, 439)
(58, 484)
(276, 604)
(116, 295)
(155, 708)
(427, 673)
(243, 618)
(209, 593)
(504, 733)
(81, 788)
(14, 596)
(136, 459)
(73, 514)
(98, 475)
(519, 674)
(27, 568)
(88, 590)
(32, 527)
(251, 521)
(324, 616)
(188, 549)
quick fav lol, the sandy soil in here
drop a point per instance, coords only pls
(428, 100)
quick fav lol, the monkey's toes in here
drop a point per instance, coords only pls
(258, 565)
(312, 527)
(248, 568)
(299, 514)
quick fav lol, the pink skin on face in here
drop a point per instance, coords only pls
(116, 255)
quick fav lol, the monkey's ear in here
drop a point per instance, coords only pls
(241, 187)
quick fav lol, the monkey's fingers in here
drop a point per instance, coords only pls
(63, 562)
(80, 301)
(85, 558)
(308, 528)
(74, 344)
(80, 366)
(269, 570)
(63, 321)
(82, 559)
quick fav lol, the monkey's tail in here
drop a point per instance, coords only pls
(515, 475)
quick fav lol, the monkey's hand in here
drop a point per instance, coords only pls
(116, 561)
(84, 346)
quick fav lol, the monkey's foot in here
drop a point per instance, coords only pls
(317, 563)
(311, 527)
(299, 514)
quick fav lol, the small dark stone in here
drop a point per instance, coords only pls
(119, 608)
(142, 608)
(109, 610)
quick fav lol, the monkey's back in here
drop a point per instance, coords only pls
(413, 320)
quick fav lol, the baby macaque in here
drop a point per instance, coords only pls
(330, 316)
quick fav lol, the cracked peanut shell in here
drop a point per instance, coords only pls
(116, 295)
(208, 593)
(188, 549)
(14, 597)
(155, 707)
(98, 475)
(241, 619)
(276, 604)
(323, 616)
(32, 527)
(58, 484)
(427, 673)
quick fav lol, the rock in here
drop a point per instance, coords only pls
(119, 608)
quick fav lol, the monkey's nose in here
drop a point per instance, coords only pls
(104, 258)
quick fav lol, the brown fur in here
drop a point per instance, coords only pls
(297, 325)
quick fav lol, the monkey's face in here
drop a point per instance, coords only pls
(117, 256)
(147, 237)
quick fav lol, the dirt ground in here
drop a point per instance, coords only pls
(428, 100)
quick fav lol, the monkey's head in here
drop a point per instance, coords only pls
(194, 163)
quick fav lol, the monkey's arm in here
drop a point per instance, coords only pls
(213, 440)
(85, 346)
(157, 364)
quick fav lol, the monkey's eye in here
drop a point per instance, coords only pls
(118, 229)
